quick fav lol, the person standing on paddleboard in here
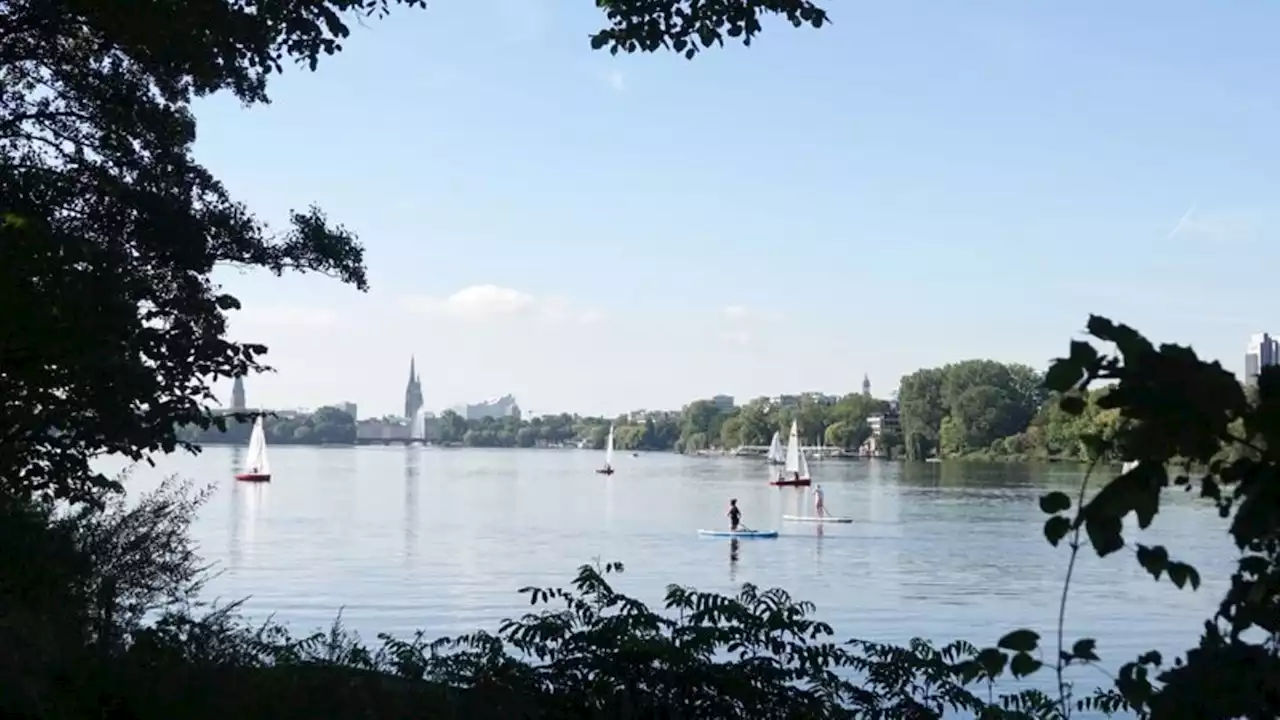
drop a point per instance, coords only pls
(735, 515)
(818, 505)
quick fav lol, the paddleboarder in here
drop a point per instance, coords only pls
(735, 515)
(818, 505)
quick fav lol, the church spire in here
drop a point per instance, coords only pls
(412, 391)
(866, 385)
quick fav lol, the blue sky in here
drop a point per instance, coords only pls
(920, 182)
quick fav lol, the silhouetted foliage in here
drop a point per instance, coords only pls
(112, 332)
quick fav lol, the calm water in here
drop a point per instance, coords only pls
(407, 538)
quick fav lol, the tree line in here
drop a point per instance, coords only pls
(326, 426)
(974, 409)
(986, 410)
(700, 425)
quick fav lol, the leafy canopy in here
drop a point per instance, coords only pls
(112, 331)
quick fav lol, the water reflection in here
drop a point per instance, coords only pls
(249, 504)
(412, 471)
(608, 501)
(734, 545)
(233, 554)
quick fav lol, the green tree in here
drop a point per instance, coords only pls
(848, 435)
(967, 407)
(453, 428)
(920, 400)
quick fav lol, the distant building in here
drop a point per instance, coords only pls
(504, 406)
(866, 385)
(412, 392)
(1263, 351)
(381, 430)
(784, 401)
(722, 402)
(348, 408)
(879, 424)
(237, 394)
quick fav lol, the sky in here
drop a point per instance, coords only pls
(921, 182)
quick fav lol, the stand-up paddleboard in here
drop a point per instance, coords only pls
(816, 519)
(739, 533)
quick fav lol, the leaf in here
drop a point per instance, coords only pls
(1054, 502)
(1154, 559)
(1104, 534)
(1056, 528)
(1182, 573)
(1083, 649)
(1137, 491)
(1083, 353)
(1020, 641)
(992, 661)
(1064, 375)
(1023, 665)
(1072, 404)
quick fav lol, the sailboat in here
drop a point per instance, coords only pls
(257, 467)
(608, 455)
(1129, 465)
(796, 471)
(776, 455)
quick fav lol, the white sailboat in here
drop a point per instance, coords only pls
(257, 466)
(796, 468)
(608, 454)
(776, 455)
(1129, 465)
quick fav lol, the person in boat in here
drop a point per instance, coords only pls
(795, 476)
(735, 515)
(253, 470)
(819, 506)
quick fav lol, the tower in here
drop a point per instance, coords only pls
(237, 394)
(866, 385)
(412, 392)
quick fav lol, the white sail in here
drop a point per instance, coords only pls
(804, 467)
(608, 449)
(1128, 466)
(794, 457)
(775, 453)
(256, 459)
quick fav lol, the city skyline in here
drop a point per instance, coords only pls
(971, 182)
(1262, 350)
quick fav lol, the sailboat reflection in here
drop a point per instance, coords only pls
(734, 545)
(233, 550)
(412, 470)
(251, 503)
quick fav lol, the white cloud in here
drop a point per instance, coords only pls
(489, 302)
(300, 316)
(615, 80)
(734, 312)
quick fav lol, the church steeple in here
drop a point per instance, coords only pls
(866, 385)
(412, 391)
(237, 394)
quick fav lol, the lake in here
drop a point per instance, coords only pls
(401, 539)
